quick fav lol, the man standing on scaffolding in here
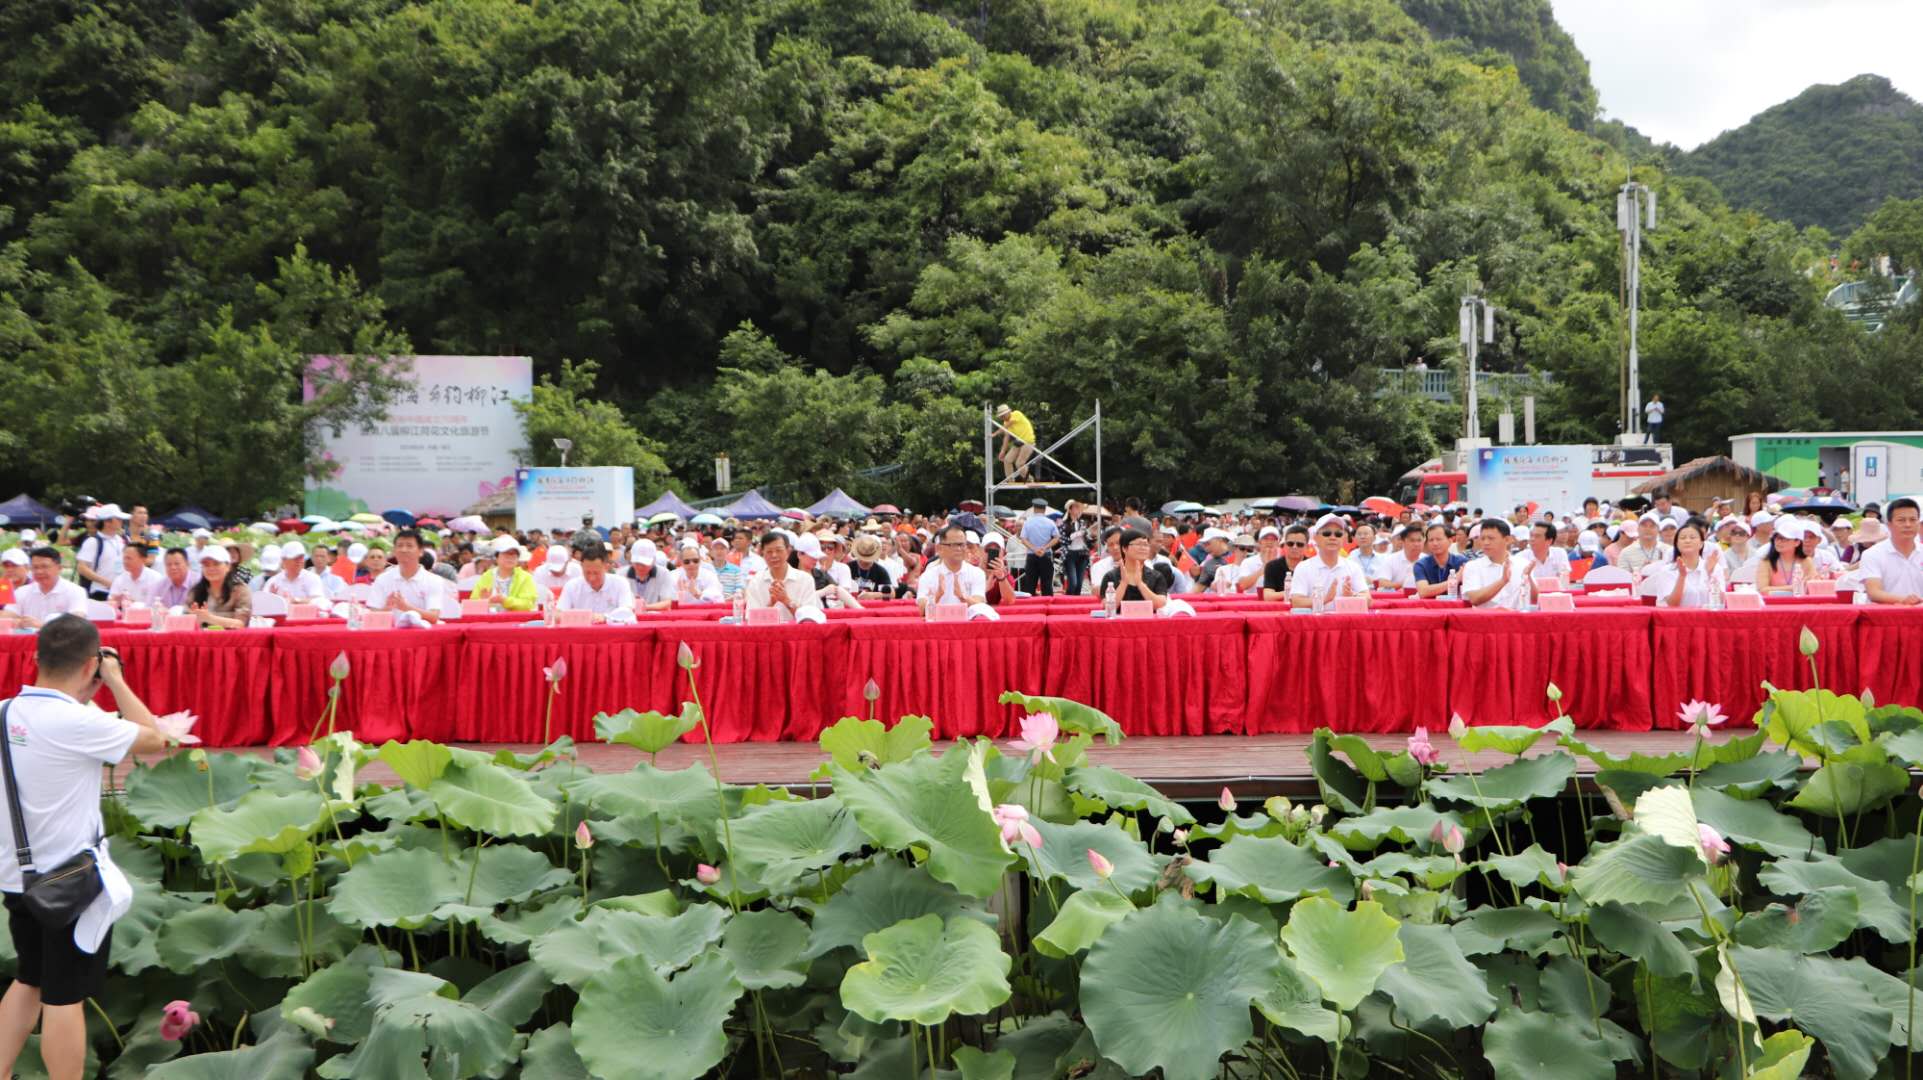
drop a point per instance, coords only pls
(1018, 442)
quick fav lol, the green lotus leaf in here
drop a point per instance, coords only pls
(1512, 740)
(204, 934)
(683, 797)
(1409, 824)
(1435, 981)
(648, 732)
(1783, 1057)
(1791, 717)
(1065, 848)
(550, 1055)
(137, 934)
(1638, 869)
(422, 1029)
(1824, 1000)
(1521, 1044)
(489, 799)
(522, 927)
(1080, 923)
(1507, 786)
(976, 1065)
(1169, 988)
(926, 970)
(411, 888)
(168, 793)
(1846, 788)
(880, 896)
(339, 992)
(1344, 952)
(1530, 866)
(1753, 823)
(1876, 909)
(573, 952)
(1377, 766)
(1124, 792)
(285, 1056)
(1635, 935)
(851, 736)
(924, 802)
(632, 1024)
(1271, 869)
(1293, 1002)
(766, 949)
(1752, 776)
(1818, 922)
(272, 949)
(1071, 715)
(1488, 930)
(418, 763)
(260, 822)
(1892, 993)
(1342, 787)
(782, 843)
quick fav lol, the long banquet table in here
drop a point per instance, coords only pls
(1236, 667)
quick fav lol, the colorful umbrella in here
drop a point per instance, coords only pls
(1382, 504)
(887, 508)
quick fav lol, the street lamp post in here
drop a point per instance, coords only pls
(1474, 309)
(1635, 211)
(564, 445)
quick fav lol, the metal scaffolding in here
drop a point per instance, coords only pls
(1076, 481)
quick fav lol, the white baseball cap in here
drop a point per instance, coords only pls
(356, 552)
(1213, 533)
(293, 549)
(1790, 527)
(807, 544)
(1268, 531)
(643, 551)
(992, 540)
(557, 556)
(1760, 518)
(270, 558)
(217, 553)
(1330, 519)
(1650, 517)
(972, 539)
(14, 556)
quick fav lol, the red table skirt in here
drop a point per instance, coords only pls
(1230, 669)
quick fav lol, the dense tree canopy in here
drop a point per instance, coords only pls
(821, 235)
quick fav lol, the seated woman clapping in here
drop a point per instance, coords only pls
(1697, 573)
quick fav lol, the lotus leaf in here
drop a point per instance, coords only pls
(285, 1056)
(1124, 792)
(1071, 715)
(421, 1029)
(573, 952)
(1520, 1044)
(1435, 981)
(168, 793)
(851, 736)
(1343, 952)
(489, 799)
(1819, 994)
(880, 896)
(924, 802)
(1507, 786)
(418, 763)
(1065, 848)
(260, 822)
(1081, 921)
(766, 949)
(779, 844)
(1271, 869)
(648, 732)
(926, 970)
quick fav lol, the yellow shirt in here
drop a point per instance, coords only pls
(1018, 426)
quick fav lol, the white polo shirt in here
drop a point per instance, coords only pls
(1553, 564)
(308, 588)
(58, 748)
(953, 586)
(1313, 578)
(614, 594)
(140, 590)
(1481, 573)
(1893, 571)
(422, 591)
(65, 598)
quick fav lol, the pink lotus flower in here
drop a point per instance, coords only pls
(706, 875)
(1102, 867)
(1420, 748)
(1438, 832)
(307, 764)
(1039, 732)
(176, 1020)
(1180, 836)
(1562, 871)
(685, 657)
(1226, 801)
(558, 671)
(177, 728)
(1013, 819)
(1700, 716)
(1452, 843)
(871, 691)
(337, 670)
(1457, 729)
(1714, 846)
(583, 839)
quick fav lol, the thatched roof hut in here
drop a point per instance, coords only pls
(1696, 484)
(497, 510)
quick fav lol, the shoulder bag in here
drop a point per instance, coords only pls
(57, 897)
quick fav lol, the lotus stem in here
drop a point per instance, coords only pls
(1909, 976)
(720, 798)
(547, 721)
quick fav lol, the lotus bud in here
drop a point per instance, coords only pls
(1555, 693)
(1368, 890)
(307, 764)
(1317, 813)
(1456, 727)
(1180, 836)
(1438, 832)
(1452, 843)
(1562, 871)
(685, 657)
(1102, 867)
(706, 875)
(583, 839)
(176, 1020)
(1806, 642)
(557, 671)
(338, 669)
(1226, 801)
(1869, 699)
(1713, 845)
(871, 691)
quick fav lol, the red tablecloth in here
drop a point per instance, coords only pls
(397, 683)
(1889, 653)
(1501, 665)
(1165, 676)
(220, 677)
(1385, 671)
(500, 693)
(952, 672)
(757, 682)
(1724, 657)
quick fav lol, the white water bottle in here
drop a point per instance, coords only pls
(741, 605)
(354, 615)
(1109, 604)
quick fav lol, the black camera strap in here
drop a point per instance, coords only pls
(22, 849)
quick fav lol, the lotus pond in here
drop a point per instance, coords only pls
(1023, 913)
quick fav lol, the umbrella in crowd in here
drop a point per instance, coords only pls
(705, 518)
(664, 517)
(1828, 505)
(430, 523)
(887, 508)
(468, 524)
(400, 518)
(1296, 504)
(1180, 507)
(292, 525)
(1380, 504)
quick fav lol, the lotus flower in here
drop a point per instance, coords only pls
(1039, 732)
(1452, 841)
(557, 672)
(307, 764)
(685, 657)
(178, 728)
(1438, 832)
(583, 839)
(1554, 692)
(1180, 836)
(1368, 890)
(1457, 729)
(338, 669)
(176, 1020)
(1102, 867)
(1700, 716)
(706, 875)
(311, 1022)
(1226, 801)
(1714, 846)
(1562, 871)
(871, 691)
(1420, 748)
(1013, 819)
(1806, 642)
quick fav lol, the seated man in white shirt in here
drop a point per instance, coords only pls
(137, 583)
(1892, 569)
(1399, 568)
(47, 594)
(1319, 579)
(779, 585)
(695, 582)
(1496, 580)
(1542, 558)
(951, 580)
(555, 571)
(597, 590)
(407, 585)
(295, 583)
(648, 573)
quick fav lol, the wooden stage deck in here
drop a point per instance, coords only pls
(1181, 767)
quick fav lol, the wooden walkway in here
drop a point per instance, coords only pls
(1181, 767)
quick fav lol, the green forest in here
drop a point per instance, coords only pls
(820, 234)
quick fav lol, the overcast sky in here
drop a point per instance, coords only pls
(1684, 71)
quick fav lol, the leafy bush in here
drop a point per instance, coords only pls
(1026, 913)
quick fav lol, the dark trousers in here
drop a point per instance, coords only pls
(1038, 575)
(1074, 571)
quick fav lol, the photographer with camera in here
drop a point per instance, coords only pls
(55, 746)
